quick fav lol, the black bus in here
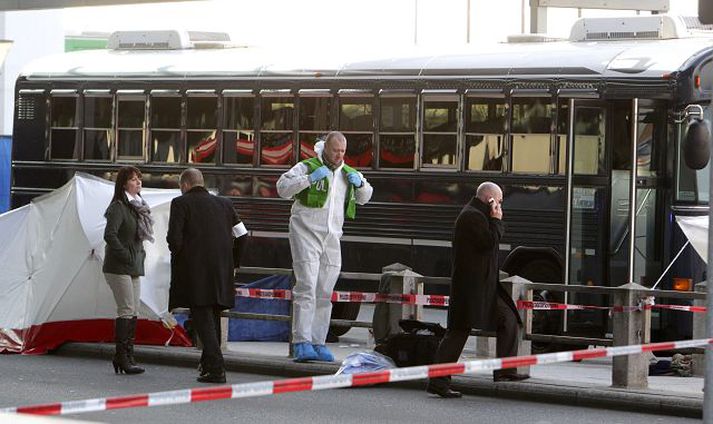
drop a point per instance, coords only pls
(559, 124)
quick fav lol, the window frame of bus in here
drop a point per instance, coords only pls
(318, 133)
(94, 94)
(488, 96)
(285, 94)
(532, 94)
(132, 96)
(399, 94)
(440, 96)
(345, 94)
(178, 149)
(231, 94)
(76, 127)
(217, 114)
(583, 99)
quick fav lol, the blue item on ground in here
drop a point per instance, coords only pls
(304, 352)
(323, 354)
(366, 361)
(262, 330)
(319, 174)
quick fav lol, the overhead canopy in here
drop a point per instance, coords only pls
(696, 230)
(52, 289)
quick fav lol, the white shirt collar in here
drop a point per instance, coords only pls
(129, 197)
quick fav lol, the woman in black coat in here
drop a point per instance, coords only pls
(128, 224)
(477, 300)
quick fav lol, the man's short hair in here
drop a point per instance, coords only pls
(191, 176)
(334, 135)
(487, 190)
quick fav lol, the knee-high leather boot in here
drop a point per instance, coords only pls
(121, 363)
(130, 340)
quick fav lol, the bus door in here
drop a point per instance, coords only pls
(586, 210)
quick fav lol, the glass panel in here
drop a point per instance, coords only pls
(166, 112)
(647, 261)
(239, 113)
(64, 110)
(97, 144)
(238, 147)
(356, 114)
(485, 116)
(438, 192)
(315, 113)
(531, 153)
(64, 144)
(484, 152)
(691, 185)
(397, 151)
(440, 116)
(307, 142)
(158, 180)
(651, 132)
(97, 112)
(532, 116)
(235, 185)
(398, 114)
(360, 150)
(130, 144)
(439, 149)
(277, 113)
(392, 190)
(202, 113)
(166, 146)
(265, 187)
(202, 147)
(589, 146)
(276, 149)
(131, 114)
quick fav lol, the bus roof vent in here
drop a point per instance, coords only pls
(167, 40)
(653, 27)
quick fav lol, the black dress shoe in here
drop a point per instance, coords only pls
(211, 378)
(510, 377)
(443, 392)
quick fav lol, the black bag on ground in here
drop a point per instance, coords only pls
(417, 345)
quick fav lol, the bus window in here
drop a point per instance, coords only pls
(315, 115)
(202, 124)
(484, 129)
(440, 133)
(276, 130)
(397, 144)
(98, 134)
(356, 121)
(130, 128)
(589, 141)
(651, 133)
(63, 133)
(530, 132)
(239, 132)
(166, 129)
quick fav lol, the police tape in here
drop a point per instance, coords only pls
(439, 300)
(352, 297)
(264, 388)
(554, 306)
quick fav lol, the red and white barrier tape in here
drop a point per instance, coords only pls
(352, 297)
(554, 306)
(245, 390)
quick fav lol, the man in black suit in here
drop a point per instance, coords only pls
(477, 300)
(200, 236)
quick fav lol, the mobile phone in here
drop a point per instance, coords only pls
(491, 202)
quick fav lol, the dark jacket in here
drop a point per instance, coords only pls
(124, 253)
(474, 278)
(201, 244)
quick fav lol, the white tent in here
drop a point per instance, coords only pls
(52, 289)
(696, 230)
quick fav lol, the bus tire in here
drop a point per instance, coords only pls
(343, 310)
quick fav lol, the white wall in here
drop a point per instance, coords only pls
(34, 34)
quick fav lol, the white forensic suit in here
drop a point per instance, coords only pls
(314, 242)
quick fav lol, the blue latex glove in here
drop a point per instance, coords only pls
(354, 179)
(319, 174)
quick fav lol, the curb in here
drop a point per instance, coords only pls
(566, 393)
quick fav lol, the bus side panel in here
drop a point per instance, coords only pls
(29, 134)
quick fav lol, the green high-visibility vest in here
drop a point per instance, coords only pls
(315, 196)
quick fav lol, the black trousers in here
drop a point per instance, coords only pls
(451, 347)
(206, 321)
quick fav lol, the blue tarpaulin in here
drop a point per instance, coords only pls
(5, 164)
(262, 330)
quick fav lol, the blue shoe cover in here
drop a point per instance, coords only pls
(323, 354)
(304, 352)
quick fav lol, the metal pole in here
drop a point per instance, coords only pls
(570, 190)
(632, 188)
(707, 383)
(415, 22)
(467, 23)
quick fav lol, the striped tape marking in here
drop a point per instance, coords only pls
(337, 381)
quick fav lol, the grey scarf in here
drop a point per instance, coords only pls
(144, 228)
